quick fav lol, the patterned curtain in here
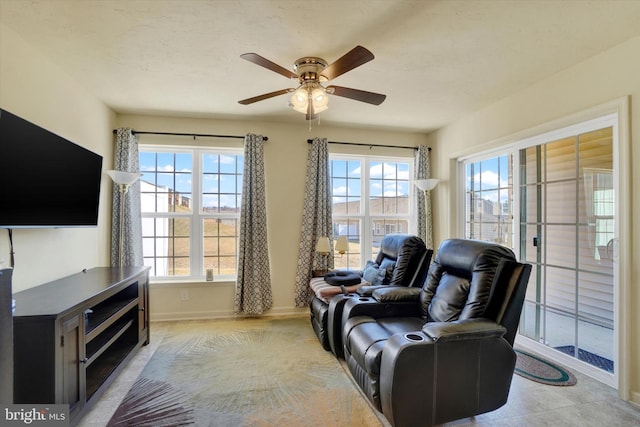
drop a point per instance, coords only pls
(126, 160)
(316, 219)
(424, 216)
(253, 285)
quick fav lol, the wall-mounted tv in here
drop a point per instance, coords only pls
(46, 181)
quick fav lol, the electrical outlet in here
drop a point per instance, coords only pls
(184, 295)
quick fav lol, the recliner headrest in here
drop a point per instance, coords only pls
(406, 257)
(462, 257)
(460, 279)
(392, 244)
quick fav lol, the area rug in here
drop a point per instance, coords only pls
(537, 369)
(254, 372)
(587, 356)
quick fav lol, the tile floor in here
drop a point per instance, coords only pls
(587, 404)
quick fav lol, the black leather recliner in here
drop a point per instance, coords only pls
(444, 352)
(408, 259)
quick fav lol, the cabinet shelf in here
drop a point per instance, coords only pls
(98, 321)
(104, 364)
(96, 347)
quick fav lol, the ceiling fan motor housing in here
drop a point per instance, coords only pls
(310, 68)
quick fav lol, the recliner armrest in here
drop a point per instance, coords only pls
(396, 293)
(369, 306)
(367, 290)
(471, 329)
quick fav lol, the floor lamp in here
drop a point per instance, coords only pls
(426, 185)
(124, 180)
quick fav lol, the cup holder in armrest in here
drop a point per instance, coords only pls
(414, 337)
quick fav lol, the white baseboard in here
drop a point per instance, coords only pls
(224, 314)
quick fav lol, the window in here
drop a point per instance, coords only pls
(190, 211)
(489, 199)
(371, 198)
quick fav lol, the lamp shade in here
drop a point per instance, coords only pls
(121, 177)
(426, 184)
(323, 246)
(342, 245)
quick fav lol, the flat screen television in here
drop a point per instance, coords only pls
(46, 181)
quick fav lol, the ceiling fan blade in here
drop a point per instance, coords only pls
(264, 96)
(358, 95)
(264, 62)
(352, 59)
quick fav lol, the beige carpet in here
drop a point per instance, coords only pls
(253, 372)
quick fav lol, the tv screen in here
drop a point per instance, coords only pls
(45, 180)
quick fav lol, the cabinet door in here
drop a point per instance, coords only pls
(73, 359)
(6, 337)
(143, 313)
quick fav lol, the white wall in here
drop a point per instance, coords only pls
(285, 156)
(599, 80)
(35, 89)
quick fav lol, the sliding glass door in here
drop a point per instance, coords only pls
(552, 199)
(567, 233)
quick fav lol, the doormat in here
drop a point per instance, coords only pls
(537, 369)
(590, 358)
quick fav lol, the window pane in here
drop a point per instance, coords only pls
(166, 181)
(489, 200)
(383, 226)
(222, 183)
(345, 187)
(561, 159)
(375, 170)
(351, 229)
(354, 169)
(338, 168)
(390, 194)
(220, 245)
(164, 240)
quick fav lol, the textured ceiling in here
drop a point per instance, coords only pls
(435, 60)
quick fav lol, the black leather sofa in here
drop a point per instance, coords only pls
(405, 259)
(444, 352)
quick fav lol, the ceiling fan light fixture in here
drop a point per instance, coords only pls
(300, 100)
(319, 99)
(314, 93)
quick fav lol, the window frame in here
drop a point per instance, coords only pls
(197, 215)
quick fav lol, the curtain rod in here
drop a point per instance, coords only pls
(194, 135)
(309, 141)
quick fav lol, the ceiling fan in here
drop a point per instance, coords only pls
(310, 97)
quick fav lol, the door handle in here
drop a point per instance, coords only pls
(610, 249)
